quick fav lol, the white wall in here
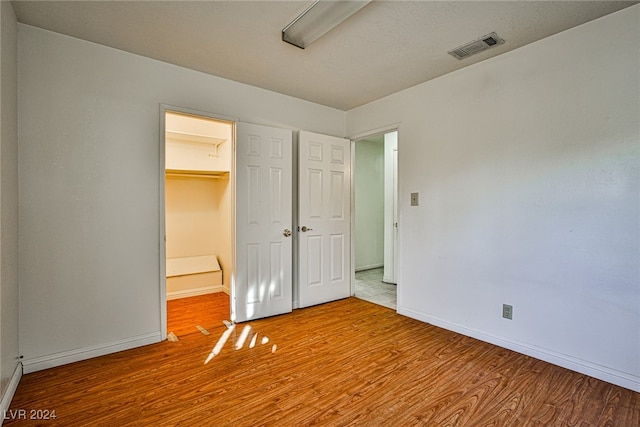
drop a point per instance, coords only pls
(369, 203)
(527, 166)
(10, 369)
(89, 187)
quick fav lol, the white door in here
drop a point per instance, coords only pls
(324, 185)
(262, 284)
(390, 207)
(395, 217)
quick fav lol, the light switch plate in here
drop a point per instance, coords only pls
(414, 199)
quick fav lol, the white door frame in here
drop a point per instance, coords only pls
(362, 135)
(164, 108)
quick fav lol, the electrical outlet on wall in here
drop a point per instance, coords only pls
(414, 199)
(507, 311)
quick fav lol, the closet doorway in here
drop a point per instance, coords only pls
(376, 223)
(198, 209)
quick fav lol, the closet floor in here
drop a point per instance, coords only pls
(207, 311)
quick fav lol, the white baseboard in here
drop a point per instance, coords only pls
(7, 397)
(63, 358)
(368, 267)
(194, 292)
(603, 373)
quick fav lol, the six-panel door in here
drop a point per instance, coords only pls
(262, 285)
(324, 198)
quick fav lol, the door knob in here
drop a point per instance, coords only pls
(286, 232)
(305, 228)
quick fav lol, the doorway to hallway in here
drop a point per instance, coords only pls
(375, 202)
(370, 287)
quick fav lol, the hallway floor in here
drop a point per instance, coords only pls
(370, 287)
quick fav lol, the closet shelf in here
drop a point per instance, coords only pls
(194, 137)
(196, 173)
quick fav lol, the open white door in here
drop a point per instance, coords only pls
(324, 217)
(262, 285)
(390, 207)
(394, 276)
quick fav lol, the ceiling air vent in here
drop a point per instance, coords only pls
(483, 43)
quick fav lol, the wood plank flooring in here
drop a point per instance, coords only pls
(349, 362)
(207, 311)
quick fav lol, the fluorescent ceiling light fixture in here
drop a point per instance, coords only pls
(319, 18)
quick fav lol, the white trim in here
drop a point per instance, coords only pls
(7, 397)
(352, 231)
(162, 238)
(194, 292)
(65, 357)
(374, 132)
(621, 379)
(369, 267)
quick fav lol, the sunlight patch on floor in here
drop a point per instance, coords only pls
(246, 331)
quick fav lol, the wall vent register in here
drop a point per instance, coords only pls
(477, 46)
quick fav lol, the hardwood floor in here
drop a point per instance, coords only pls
(349, 362)
(207, 311)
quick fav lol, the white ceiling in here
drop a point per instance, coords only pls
(386, 47)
